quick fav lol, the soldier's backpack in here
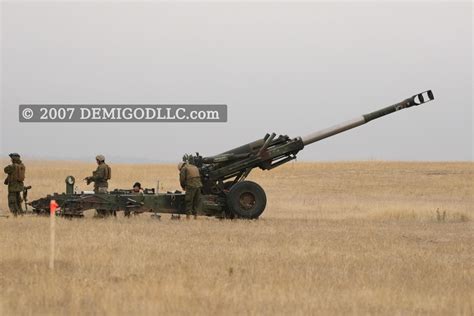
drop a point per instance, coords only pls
(19, 173)
(108, 176)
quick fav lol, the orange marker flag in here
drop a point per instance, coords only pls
(52, 207)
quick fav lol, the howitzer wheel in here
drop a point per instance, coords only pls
(247, 199)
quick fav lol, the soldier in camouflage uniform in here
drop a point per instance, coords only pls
(14, 180)
(100, 178)
(190, 181)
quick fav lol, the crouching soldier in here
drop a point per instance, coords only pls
(100, 177)
(15, 177)
(190, 181)
(136, 190)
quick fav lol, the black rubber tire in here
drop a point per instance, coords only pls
(246, 199)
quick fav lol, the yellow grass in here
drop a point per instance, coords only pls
(336, 238)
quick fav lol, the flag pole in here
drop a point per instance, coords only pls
(52, 231)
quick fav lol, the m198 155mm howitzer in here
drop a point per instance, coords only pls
(226, 192)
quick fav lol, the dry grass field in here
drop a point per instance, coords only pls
(336, 238)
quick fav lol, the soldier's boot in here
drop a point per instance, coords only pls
(189, 212)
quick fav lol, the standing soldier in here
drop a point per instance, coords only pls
(14, 180)
(100, 176)
(190, 181)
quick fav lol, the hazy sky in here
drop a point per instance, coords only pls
(280, 67)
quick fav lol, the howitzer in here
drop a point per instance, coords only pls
(226, 172)
(226, 192)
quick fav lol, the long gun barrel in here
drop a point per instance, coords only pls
(417, 99)
(271, 151)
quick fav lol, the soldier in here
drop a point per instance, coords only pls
(137, 188)
(14, 180)
(100, 176)
(190, 181)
